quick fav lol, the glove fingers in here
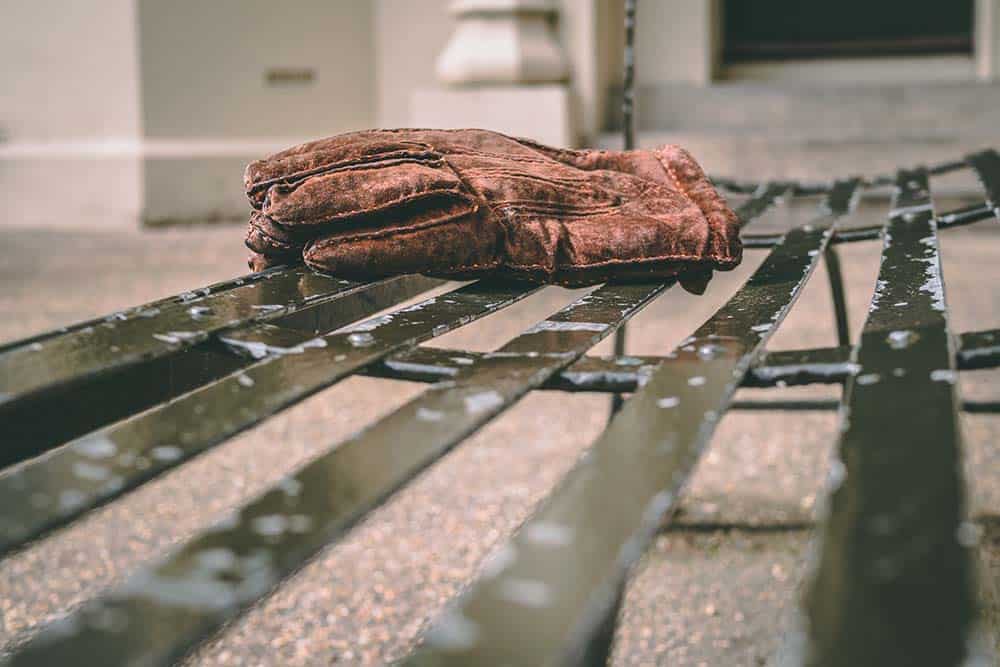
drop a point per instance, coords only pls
(464, 244)
(297, 163)
(362, 194)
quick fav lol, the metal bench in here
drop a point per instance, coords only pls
(141, 391)
(200, 367)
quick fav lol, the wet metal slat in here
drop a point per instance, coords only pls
(102, 465)
(979, 349)
(140, 334)
(126, 365)
(763, 199)
(624, 373)
(893, 583)
(554, 588)
(965, 215)
(166, 609)
(986, 164)
(158, 304)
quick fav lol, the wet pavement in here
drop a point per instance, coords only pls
(717, 589)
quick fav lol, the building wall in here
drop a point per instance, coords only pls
(69, 73)
(228, 81)
(408, 37)
(205, 66)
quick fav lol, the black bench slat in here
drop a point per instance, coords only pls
(146, 308)
(387, 454)
(124, 366)
(966, 215)
(621, 373)
(979, 349)
(763, 198)
(986, 164)
(27, 430)
(551, 590)
(823, 365)
(150, 331)
(280, 530)
(104, 464)
(144, 334)
(820, 188)
(895, 514)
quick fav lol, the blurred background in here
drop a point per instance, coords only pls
(117, 112)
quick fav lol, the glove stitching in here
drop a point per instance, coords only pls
(404, 199)
(383, 233)
(299, 176)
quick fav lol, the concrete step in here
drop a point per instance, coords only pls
(863, 109)
(756, 155)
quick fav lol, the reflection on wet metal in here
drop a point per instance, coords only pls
(194, 422)
(893, 582)
(136, 358)
(615, 499)
(216, 574)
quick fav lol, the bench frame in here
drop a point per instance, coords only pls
(892, 583)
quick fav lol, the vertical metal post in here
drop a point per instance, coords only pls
(835, 275)
(628, 134)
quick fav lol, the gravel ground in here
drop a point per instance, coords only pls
(717, 589)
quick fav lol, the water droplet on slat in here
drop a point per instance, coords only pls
(197, 312)
(483, 401)
(89, 471)
(167, 453)
(270, 525)
(526, 592)
(95, 447)
(968, 534)
(361, 339)
(868, 378)
(548, 533)
(428, 415)
(901, 339)
(709, 351)
(943, 375)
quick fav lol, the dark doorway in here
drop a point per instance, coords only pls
(794, 29)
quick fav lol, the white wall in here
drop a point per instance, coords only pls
(409, 35)
(676, 41)
(204, 67)
(69, 72)
(208, 106)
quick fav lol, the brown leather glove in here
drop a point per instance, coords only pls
(466, 203)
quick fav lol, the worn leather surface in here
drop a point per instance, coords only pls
(466, 203)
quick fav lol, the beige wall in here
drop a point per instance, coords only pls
(408, 36)
(676, 41)
(69, 72)
(204, 67)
